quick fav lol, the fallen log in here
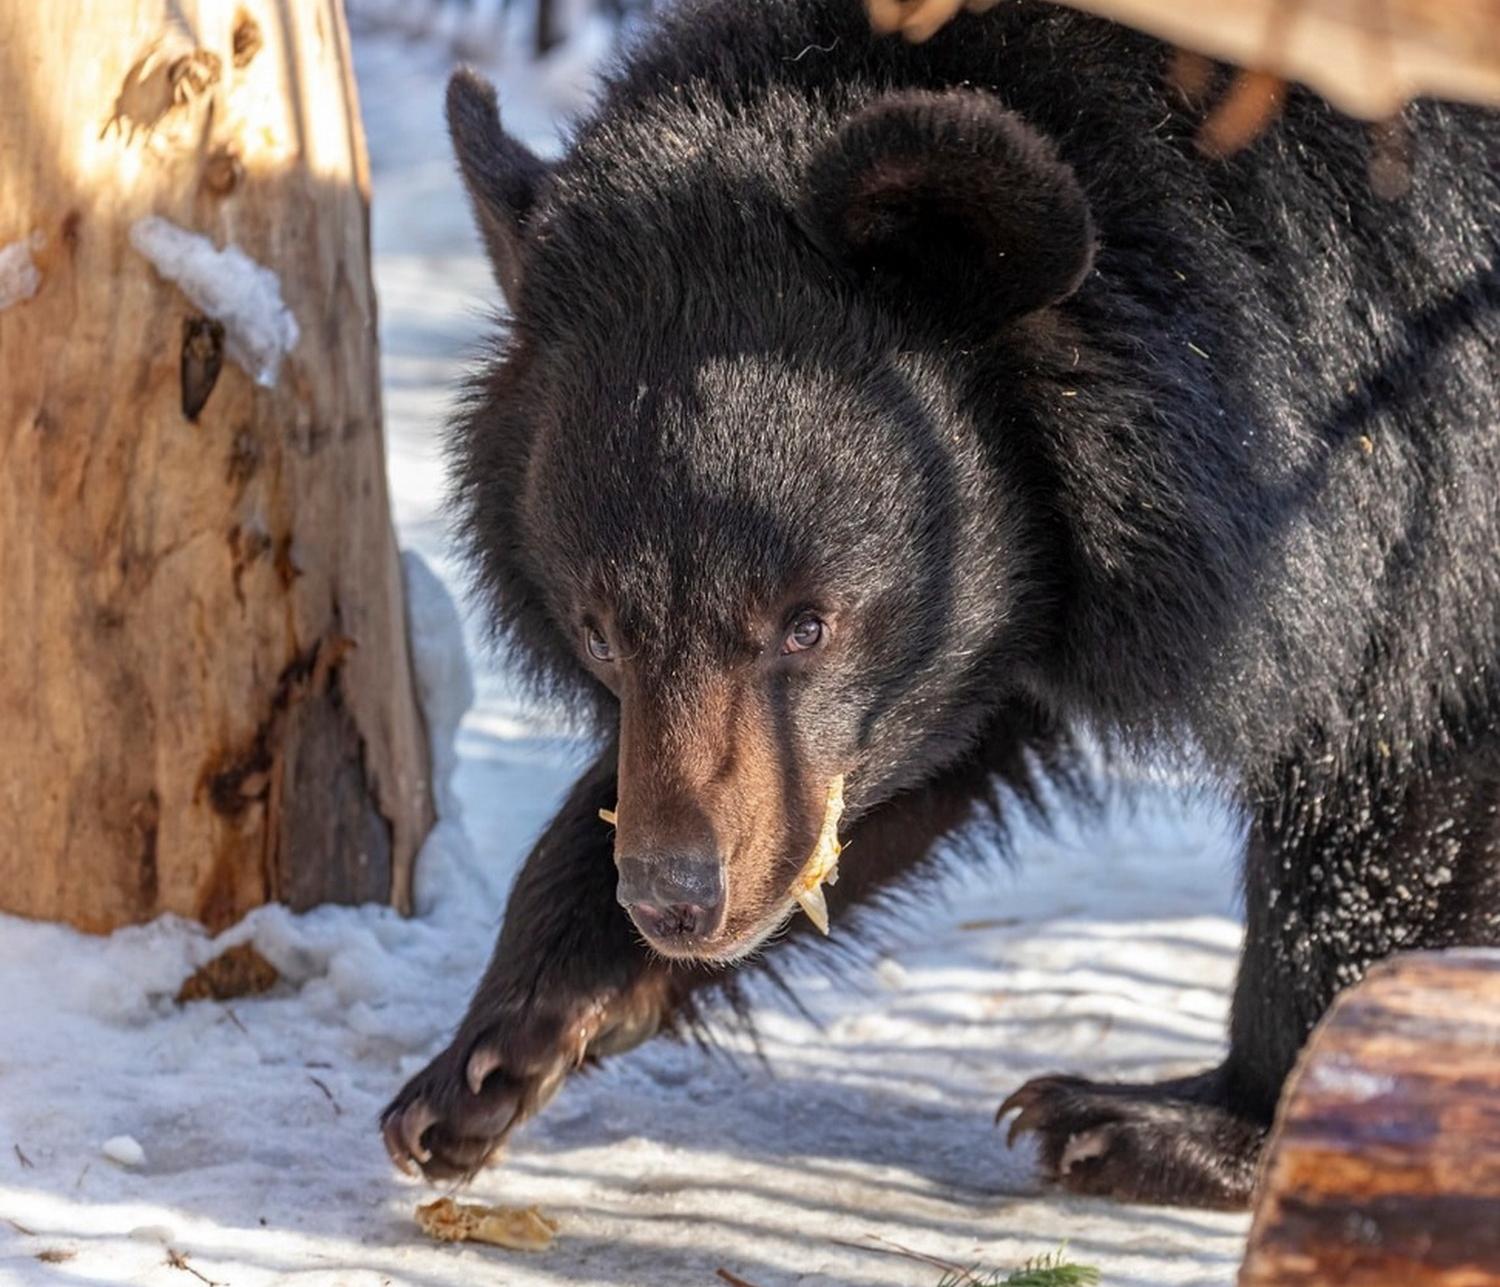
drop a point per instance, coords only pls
(1383, 1168)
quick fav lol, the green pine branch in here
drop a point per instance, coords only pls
(1045, 1271)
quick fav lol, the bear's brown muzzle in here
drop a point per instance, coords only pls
(716, 814)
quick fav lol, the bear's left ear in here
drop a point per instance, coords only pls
(950, 200)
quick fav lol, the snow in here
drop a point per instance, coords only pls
(19, 277)
(445, 684)
(1107, 952)
(259, 330)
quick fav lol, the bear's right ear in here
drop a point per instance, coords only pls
(503, 176)
(952, 202)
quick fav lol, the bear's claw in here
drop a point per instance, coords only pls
(1030, 1104)
(482, 1062)
(403, 1134)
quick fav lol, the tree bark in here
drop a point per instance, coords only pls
(1384, 1166)
(206, 699)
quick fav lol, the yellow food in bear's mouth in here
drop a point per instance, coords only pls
(822, 867)
(608, 815)
(518, 1228)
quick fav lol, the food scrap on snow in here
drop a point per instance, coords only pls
(515, 1228)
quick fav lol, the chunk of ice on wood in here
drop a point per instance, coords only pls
(20, 278)
(124, 1151)
(259, 329)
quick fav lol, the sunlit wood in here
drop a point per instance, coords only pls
(1366, 56)
(205, 691)
(1384, 1167)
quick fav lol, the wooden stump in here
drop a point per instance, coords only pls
(205, 690)
(1384, 1166)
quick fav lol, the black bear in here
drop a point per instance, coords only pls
(885, 414)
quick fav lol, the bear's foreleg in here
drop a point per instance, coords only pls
(569, 980)
(1341, 870)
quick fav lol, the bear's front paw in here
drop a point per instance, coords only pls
(503, 1067)
(1135, 1143)
(451, 1117)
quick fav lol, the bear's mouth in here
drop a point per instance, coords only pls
(805, 892)
(735, 947)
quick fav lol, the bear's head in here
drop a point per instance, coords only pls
(736, 476)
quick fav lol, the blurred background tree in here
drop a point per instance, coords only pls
(479, 28)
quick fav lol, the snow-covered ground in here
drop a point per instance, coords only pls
(1108, 952)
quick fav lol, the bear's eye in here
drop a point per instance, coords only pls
(807, 632)
(598, 646)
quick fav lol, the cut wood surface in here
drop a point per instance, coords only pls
(206, 699)
(1367, 57)
(1384, 1166)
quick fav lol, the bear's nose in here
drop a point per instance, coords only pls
(676, 899)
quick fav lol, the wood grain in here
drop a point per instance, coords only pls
(1384, 1166)
(1367, 57)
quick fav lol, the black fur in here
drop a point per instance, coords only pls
(502, 174)
(949, 198)
(1070, 425)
